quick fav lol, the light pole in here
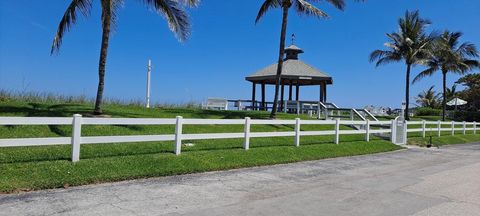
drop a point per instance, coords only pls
(149, 71)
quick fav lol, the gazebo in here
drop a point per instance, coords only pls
(295, 73)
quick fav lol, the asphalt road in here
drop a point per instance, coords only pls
(432, 182)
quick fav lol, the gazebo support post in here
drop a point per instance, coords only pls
(264, 107)
(282, 96)
(253, 96)
(297, 92)
(290, 91)
(324, 92)
(321, 93)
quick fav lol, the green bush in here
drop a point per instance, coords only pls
(468, 116)
(427, 111)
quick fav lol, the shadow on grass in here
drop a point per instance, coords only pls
(62, 153)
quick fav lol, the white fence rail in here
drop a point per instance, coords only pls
(77, 121)
(438, 127)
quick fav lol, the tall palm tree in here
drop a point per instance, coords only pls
(449, 56)
(302, 7)
(410, 44)
(173, 10)
(428, 98)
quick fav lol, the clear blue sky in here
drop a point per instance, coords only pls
(225, 46)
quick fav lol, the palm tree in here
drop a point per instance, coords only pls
(410, 44)
(451, 92)
(449, 56)
(173, 10)
(303, 7)
(428, 98)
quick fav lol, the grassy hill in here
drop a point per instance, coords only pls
(31, 168)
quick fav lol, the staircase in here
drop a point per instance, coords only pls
(332, 111)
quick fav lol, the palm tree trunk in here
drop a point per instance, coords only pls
(444, 101)
(407, 92)
(281, 54)
(101, 67)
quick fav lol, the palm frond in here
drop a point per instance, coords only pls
(190, 3)
(387, 60)
(472, 63)
(175, 14)
(115, 5)
(69, 19)
(339, 4)
(384, 57)
(267, 5)
(109, 13)
(303, 7)
(467, 49)
(425, 73)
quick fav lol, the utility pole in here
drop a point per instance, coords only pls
(149, 71)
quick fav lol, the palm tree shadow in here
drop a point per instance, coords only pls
(57, 130)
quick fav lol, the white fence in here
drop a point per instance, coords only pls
(77, 121)
(438, 127)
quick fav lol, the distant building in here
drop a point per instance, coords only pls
(378, 111)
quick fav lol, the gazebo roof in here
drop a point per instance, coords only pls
(293, 71)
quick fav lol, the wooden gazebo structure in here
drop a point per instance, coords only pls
(295, 73)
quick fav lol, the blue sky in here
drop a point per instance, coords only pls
(225, 46)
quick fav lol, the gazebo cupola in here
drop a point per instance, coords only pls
(292, 52)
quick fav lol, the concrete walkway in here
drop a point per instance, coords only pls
(433, 182)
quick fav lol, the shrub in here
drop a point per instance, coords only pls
(427, 111)
(468, 116)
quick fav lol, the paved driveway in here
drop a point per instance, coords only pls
(442, 181)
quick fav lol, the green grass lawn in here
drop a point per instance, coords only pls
(444, 139)
(32, 168)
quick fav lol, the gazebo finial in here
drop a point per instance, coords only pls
(293, 39)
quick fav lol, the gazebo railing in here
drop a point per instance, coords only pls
(249, 105)
(312, 108)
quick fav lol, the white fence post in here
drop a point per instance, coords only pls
(319, 110)
(178, 135)
(439, 125)
(405, 132)
(453, 128)
(76, 136)
(297, 132)
(337, 131)
(298, 107)
(393, 132)
(474, 127)
(246, 141)
(367, 133)
(464, 128)
(423, 128)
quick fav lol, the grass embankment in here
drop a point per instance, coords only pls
(445, 139)
(31, 168)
